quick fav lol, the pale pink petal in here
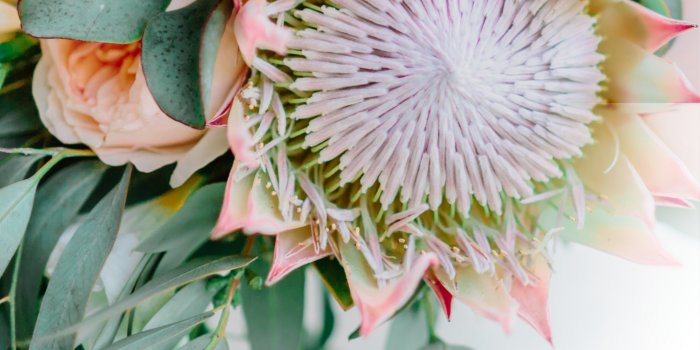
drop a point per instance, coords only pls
(485, 293)
(627, 237)
(240, 138)
(637, 76)
(234, 211)
(293, 249)
(607, 173)
(663, 172)
(533, 298)
(677, 126)
(254, 30)
(441, 293)
(673, 202)
(638, 24)
(379, 304)
(209, 147)
(264, 216)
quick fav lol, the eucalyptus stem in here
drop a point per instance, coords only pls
(67, 153)
(12, 299)
(220, 332)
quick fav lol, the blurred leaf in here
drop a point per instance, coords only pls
(111, 328)
(171, 60)
(185, 232)
(443, 346)
(16, 203)
(190, 225)
(57, 204)
(201, 342)
(328, 325)
(191, 271)
(4, 69)
(155, 337)
(409, 330)
(18, 113)
(15, 167)
(274, 315)
(15, 48)
(111, 21)
(187, 302)
(333, 277)
(78, 268)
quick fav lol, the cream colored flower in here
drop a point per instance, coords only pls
(9, 20)
(96, 94)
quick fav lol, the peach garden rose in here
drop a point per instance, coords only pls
(9, 20)
(96, 94)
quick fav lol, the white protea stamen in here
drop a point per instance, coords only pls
(444, 100)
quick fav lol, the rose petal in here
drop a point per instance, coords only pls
(9, 19)
(209, 147)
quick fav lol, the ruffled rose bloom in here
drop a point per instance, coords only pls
(96, 94)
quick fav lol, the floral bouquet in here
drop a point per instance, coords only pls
(165, 163)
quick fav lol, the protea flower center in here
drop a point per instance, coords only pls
(393, 117)
(445, 100)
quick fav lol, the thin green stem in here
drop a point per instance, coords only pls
(12, 298)
(220, 332)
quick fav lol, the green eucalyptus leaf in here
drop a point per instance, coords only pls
(16, 203)
(57, 204)
(172, 62)
(15, 167)
(409, 330)
(111, 21)
(191, 271)
(187, 302)
(201, 342)
(334, 278)
(274, 315)
(190, 225)
(4, 69)
(78, 268)
(18, 113)
(156, 337)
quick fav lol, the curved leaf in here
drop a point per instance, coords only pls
(157, 336)
(191, 271)
(57, 203)
(78, 268)
(16, 203)
(112, 21)
(172, 64)
(274, 315)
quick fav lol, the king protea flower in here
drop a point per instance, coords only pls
(450, 141)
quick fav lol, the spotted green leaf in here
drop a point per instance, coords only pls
(112, 21)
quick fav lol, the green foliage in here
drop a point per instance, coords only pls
(153, 338)
(16, 203)
(109, 21)
(409, 330)
(334, 278)
(57, 204)
(274, 315)
(78, 269)
(174, 70)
